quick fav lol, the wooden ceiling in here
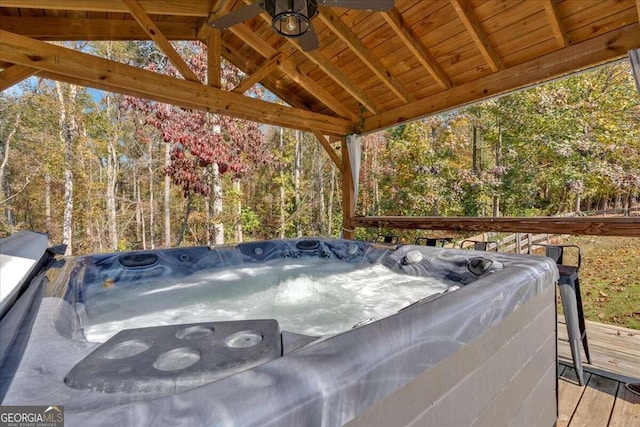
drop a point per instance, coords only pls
(372, 70)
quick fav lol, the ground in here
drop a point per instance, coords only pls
(610, 279)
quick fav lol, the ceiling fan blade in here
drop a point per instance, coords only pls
(309, 40)
(376, 5)
(237, 16)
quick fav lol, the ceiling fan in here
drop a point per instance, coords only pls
(292, 18)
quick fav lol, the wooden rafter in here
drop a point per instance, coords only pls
(265, 49)
(14, 74)
(607, 47)
(472, 24)
(329, 149)
(418, 49)
(88, 70)
(214, 69)
(353, 42)
(559, 33)
(92, 29)
(182, 8)
(263, 71)
(155, 34)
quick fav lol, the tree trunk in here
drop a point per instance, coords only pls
(237, 190)
(496, 196)
(67, 131)
(4, 189)
(578, 199)
(47, 203)
(167, 198)
(332, 190)
(185, 221)
(474, 149)
(218, 226)
(296, 182)
(321, 223)
(282, 192)
(152, 222)
(112, 181)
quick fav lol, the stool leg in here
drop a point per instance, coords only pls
(583, 329)
(569, 305)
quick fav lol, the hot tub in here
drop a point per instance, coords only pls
(290, 332)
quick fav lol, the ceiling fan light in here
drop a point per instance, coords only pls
(291, 24)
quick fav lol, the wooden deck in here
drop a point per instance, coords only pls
(603, 400)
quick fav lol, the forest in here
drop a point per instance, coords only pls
(101, 172)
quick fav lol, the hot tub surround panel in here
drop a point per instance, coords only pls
(320, 381)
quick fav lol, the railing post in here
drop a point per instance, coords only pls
(518, 244)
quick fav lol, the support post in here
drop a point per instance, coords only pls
(348, 198)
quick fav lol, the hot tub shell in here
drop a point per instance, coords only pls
(483, 354)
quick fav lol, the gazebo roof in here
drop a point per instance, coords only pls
(372, 69)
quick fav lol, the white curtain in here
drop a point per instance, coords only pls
(355, 151)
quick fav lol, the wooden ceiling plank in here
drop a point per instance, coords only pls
(156, 7)
(109, 75)
(333, 21)
(638, 9)
(64, 28)
(559, 33)
(340, 78)
(332, 71)
(14, 74)
(290, 69)
(417, 48)
(160, 40)
(604, 48)
(472, 24)
(329, 149)
(214, 68)
(263, 71)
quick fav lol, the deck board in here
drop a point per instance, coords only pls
(613, 348)
(596, 403)
(570, 393)
(626, 411)
(603, 400)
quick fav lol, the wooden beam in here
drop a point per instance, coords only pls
(472, 24)
(263, 71)
(559, 33)
(109, 75)
(156, 7)
(88, 29)
(290, 69)
(594, 226)
(599, 50)
(329, 149)
(348, 194)
(353, 42)
(638, 9)
(417, 48)
(160, 40)
(14, 74)
(214, 69)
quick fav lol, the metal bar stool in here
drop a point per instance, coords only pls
(433, 241)
(391, 239)
(480, 245)
(569, 284)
